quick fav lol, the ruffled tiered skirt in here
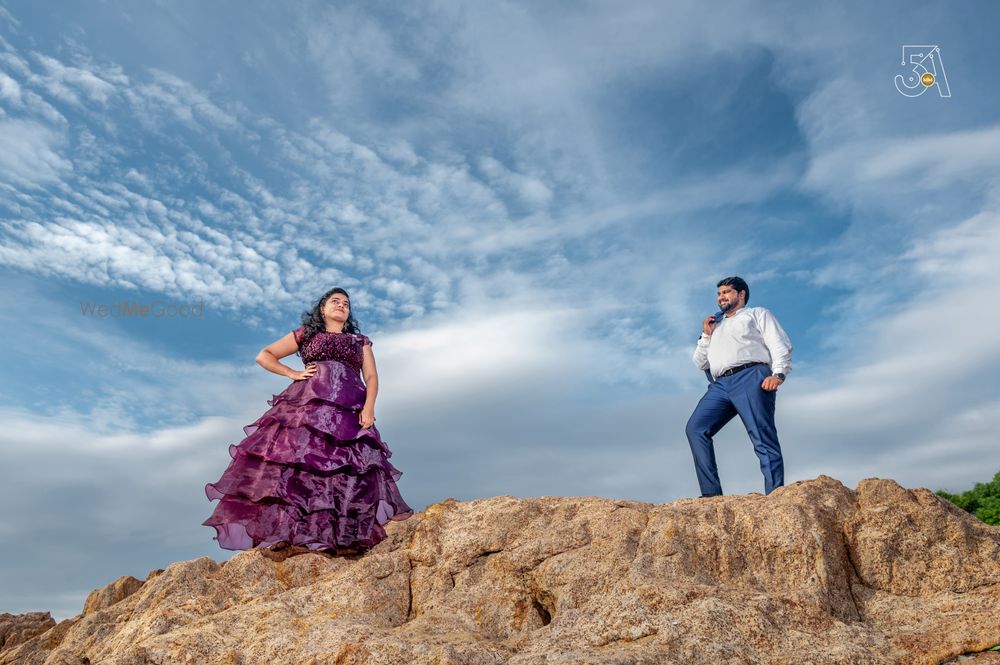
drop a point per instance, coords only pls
(307, 473)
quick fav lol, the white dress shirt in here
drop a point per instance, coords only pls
(750, 335)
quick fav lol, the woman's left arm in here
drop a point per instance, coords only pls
(370, 374)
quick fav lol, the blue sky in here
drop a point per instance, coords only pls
(530, 204)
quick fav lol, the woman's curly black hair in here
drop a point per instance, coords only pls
(313, 319)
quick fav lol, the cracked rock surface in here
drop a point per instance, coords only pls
(813, 573)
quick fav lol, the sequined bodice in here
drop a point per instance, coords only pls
(344, 347)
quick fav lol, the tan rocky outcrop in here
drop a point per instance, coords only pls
(18, 628)
(813, 573)
(107, 596)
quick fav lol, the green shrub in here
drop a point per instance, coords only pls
(983, 500)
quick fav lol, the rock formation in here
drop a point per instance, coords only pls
(813, 573)
(15, 629)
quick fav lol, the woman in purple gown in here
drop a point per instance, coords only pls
(313, 474)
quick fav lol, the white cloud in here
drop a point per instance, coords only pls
(164, 97)
(530, 190)
(65, 82)
(668, 207)
(30, 153)
(10, 90)
(7, 16)
(928, 162)
(344, 38)
(465, 356)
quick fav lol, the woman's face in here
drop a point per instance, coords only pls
(337, 307)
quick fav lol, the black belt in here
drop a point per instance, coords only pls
(738, 368)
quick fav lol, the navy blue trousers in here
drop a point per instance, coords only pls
(739, 394)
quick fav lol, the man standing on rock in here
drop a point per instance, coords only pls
(747, 355)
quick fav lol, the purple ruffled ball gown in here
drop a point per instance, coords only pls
(307, 473)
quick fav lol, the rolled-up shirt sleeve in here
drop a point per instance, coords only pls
(776, 340)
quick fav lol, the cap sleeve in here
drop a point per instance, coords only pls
(365, 341)
(298, 332)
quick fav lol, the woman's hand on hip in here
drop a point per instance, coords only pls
(304, 374)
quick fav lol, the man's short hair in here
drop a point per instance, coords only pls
(738, 285)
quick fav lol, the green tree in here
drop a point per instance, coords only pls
(983, 500)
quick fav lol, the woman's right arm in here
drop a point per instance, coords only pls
(286, 346)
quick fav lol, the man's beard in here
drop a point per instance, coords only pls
(725, 308)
